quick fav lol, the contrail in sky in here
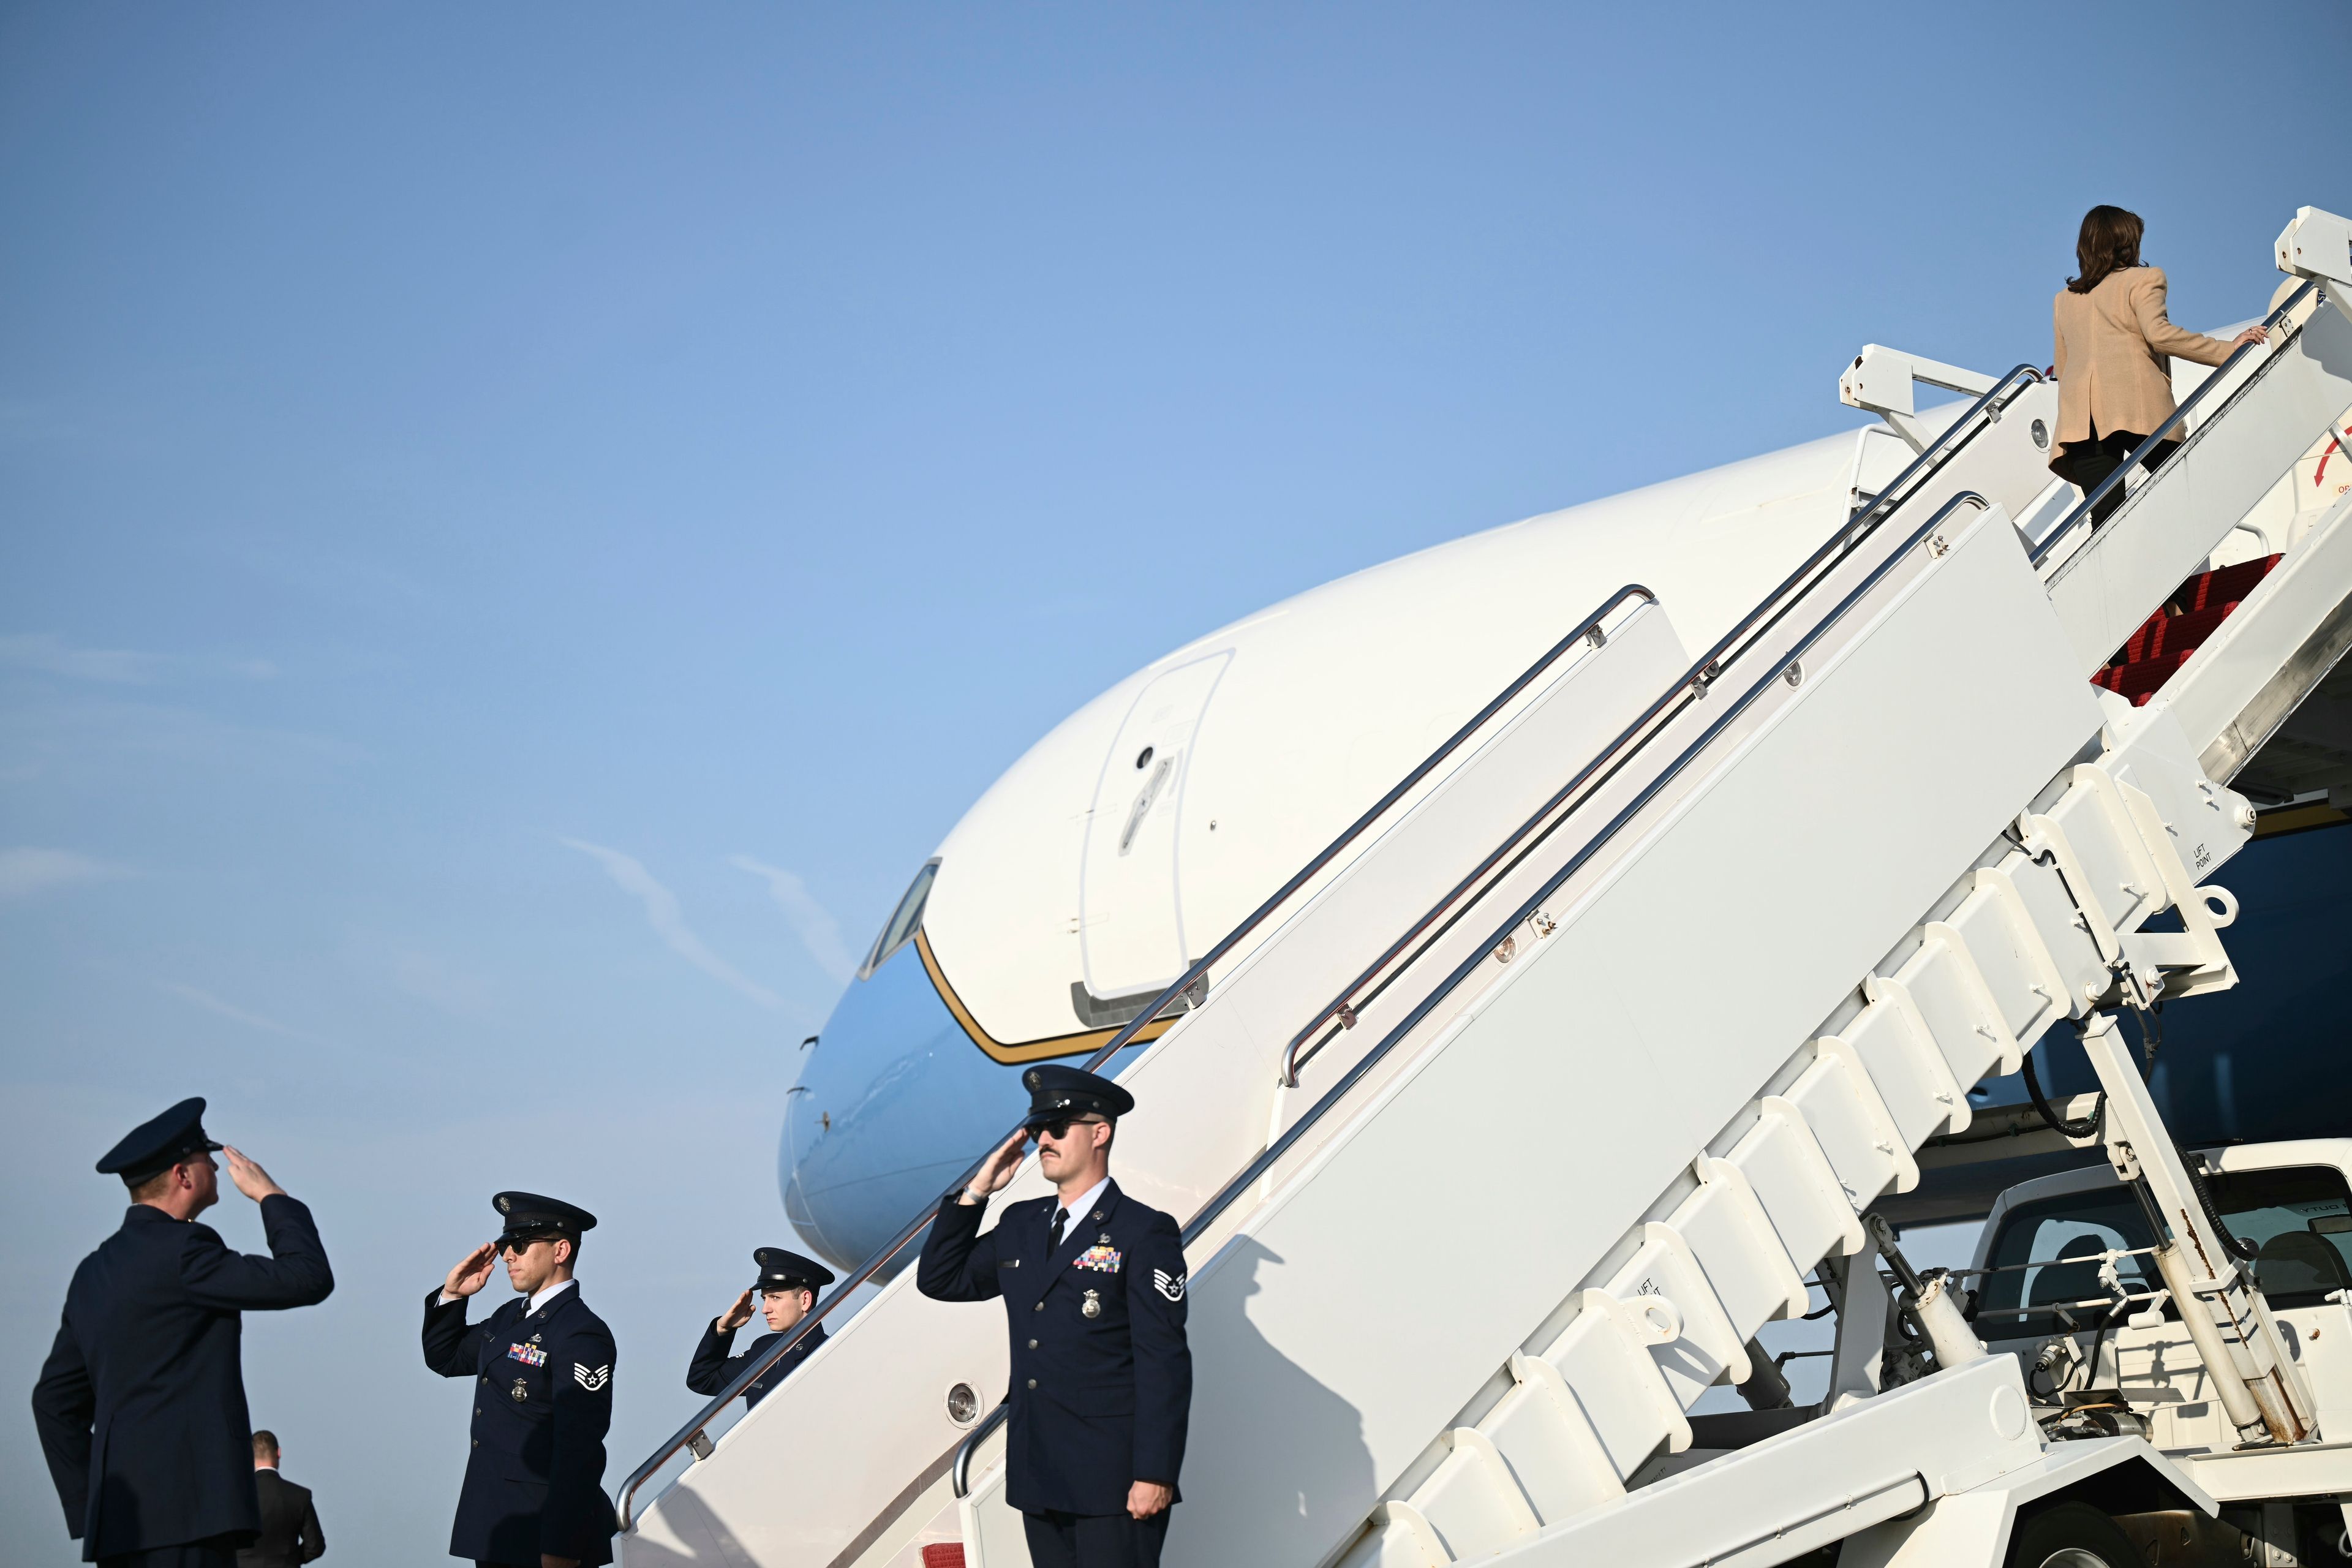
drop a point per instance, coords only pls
(662, 913)
(811, 922)
(211, 1003)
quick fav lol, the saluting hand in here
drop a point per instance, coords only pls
(473, 1270)
(997, 1172)
(250, 1179)
(735, 1316)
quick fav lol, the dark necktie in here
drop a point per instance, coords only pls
(1054, 1239)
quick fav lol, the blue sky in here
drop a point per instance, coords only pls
(521, 527)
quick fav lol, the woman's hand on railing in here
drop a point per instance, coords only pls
(2252, 335)
(999, 1171)
(735, 1316)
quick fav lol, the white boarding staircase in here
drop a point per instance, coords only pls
(1533, 1168)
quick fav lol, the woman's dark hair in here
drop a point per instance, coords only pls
(2109, 243)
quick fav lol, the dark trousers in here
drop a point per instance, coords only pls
(2086, 464)
(218, 1552)
(1096, 1540)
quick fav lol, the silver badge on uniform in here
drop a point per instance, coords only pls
(1093, 1307)
(521, 1391)
(1104, 1239)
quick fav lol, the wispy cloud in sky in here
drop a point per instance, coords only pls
(26, 870)
(811, 922)
(211, 1003)
(663, 913)
(117, 666)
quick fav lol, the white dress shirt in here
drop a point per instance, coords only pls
(1082, 1207)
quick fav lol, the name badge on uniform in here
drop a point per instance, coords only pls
(529, 1355)
(1101, 1258)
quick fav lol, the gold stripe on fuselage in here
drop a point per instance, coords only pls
(1084, 1041)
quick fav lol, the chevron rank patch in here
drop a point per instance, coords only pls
(1101, 1259)
(593, 1379)
(1171, 1288)
(529, 1355)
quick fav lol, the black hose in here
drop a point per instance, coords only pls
(2151, 1034)
(2087, 1127)
(2237, 1246)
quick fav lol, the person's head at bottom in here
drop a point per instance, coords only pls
(167, 1162)
(540, 1239)
(1074, 1116)
(788, 1284)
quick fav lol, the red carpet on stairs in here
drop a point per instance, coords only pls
(2166, 639)
(950, 1555)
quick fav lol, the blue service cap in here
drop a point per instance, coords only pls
(782, 1269)
(156, 1145)
(524, 1215)
(1056, 1092)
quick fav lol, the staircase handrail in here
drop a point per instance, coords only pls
(2275, 319)
(1759, 621)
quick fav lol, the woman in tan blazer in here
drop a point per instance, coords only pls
(2115, 384)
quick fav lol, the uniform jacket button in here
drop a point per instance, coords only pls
(1038, 1307)
(1032, 1345)
(1033, 1382)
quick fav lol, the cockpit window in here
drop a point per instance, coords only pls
(2049, 1253)
(904, 922)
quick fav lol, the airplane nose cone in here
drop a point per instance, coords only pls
(894, 1102)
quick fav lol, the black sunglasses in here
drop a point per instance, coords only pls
(1059, 1128)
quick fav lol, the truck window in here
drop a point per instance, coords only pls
(2047, 1257)
(2047, 1253)
(2301, 1218)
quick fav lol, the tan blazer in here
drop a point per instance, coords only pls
(2112, 347)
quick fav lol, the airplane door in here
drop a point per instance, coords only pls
(1132, 926)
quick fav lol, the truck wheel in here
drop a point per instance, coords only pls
(2072, 1535)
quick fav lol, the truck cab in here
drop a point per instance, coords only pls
(2065, 1281)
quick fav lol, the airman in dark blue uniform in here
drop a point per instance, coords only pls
(541, 1366)
(787, 1284)
(1093, 1285)
(140, 1404)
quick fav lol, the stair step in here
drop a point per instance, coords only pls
(2180, 622)
(2224, 583)
(2141, 681)
(1473, 1501)
(1553, 1453)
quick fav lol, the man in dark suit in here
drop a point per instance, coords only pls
(1093, 1283)
(787, 1284)
(141, 1404)
(290, 1535)
(541, 1366)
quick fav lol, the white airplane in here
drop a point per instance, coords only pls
(1706, 857)
(1147, 824)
